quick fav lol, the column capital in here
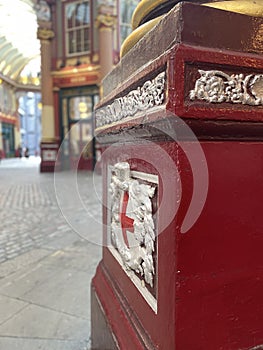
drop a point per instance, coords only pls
(45, 34)
(106, 21)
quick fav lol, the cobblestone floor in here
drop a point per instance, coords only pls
(49, 226)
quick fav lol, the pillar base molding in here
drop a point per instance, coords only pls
(121, 330)
(49, 154)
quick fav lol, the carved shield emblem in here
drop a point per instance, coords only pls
(132, 224)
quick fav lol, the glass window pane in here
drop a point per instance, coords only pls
(73, 110)
(77, 27)
(87, 13)
(79, 40)
(83, 14)
(127, 8)
(86, 44)
(80, 107)
(70, 13)
(75, 139)
(71, 42)
(96, 99)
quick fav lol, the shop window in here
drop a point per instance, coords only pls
(77, 27)
(8, 139)
(80, 107)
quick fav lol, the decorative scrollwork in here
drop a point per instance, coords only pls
(149, 95)
(131, 213)
(105, 20)
(217, 87)
(45, 34)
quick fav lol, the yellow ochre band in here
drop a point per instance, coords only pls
(143, 9)
(247, 7)
(137, 34)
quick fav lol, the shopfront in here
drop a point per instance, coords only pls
(76, 132)
(8, 139)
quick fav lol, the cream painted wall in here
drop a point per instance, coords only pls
(48, 123)
(17, 137)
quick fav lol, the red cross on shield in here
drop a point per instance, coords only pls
(126, 221)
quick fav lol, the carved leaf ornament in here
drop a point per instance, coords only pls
(217, 87)
(147, 96)
(132, 225)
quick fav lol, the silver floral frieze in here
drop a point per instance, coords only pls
(217, 87)
(147, 96)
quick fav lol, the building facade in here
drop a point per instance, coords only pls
(80, 44)
(9, 121)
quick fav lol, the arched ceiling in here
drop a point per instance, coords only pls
(19, 46)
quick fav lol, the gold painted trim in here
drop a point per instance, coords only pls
(48, 140)
(105, 20)
(137, 34)
(76, 70)
(144, 8)
(246, 7)
(45, 34)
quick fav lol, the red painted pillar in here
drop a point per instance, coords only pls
(181, 123)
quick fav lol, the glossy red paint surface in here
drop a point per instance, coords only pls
(49, 150)
(186, 62)
(210, 278)
(220, 264)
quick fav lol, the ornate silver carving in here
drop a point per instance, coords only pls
(149, 95)
(216, 87)
(132, 225)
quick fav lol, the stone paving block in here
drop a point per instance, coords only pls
(23, 260)
(62, 240)
(9, 307)
(26, 279)
(85, 260)
(66, 291)
(50, 265)
(41, 344)
(46, 324)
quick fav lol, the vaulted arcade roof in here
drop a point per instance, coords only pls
(19, 46)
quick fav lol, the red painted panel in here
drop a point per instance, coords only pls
(56, 112)
(181, 82)
(220, 282)
(153, 329)
(209, 278)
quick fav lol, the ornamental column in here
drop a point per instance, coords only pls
(49, 144)
(181, 127)
(48, 126)
(105, 22)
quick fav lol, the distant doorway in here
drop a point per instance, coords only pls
(76, 120)
(8, 139)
